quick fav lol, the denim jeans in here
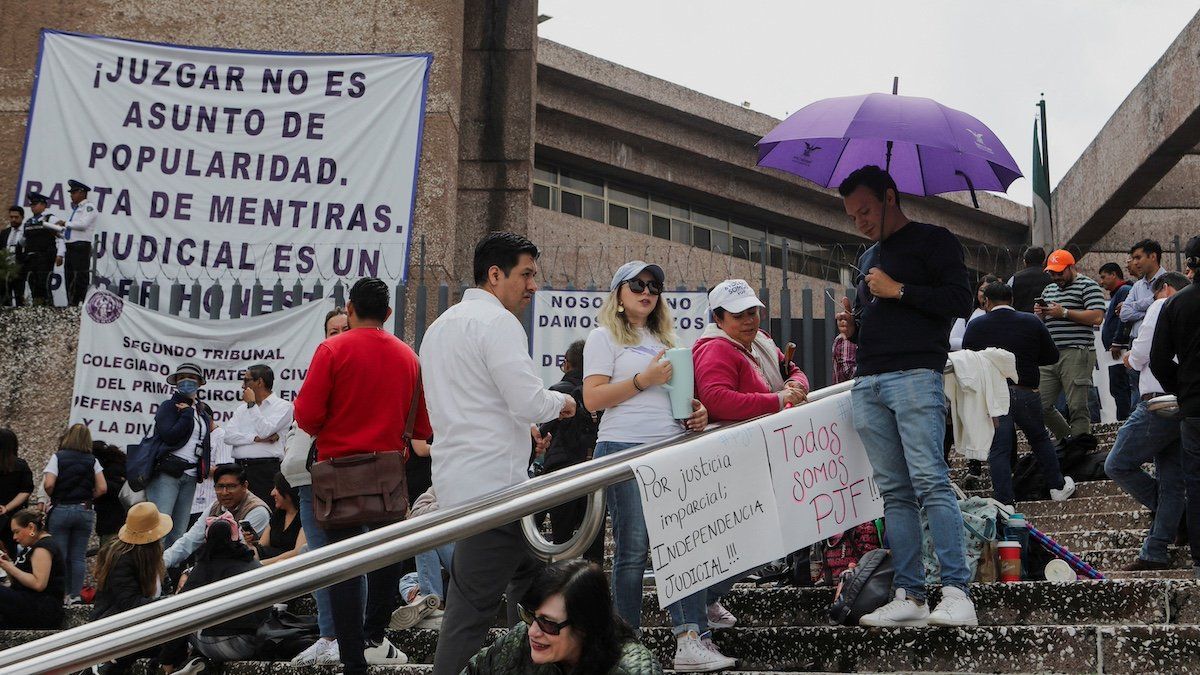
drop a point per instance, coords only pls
(173, 496)
(353, 626)
(315, 538)
(629, 560)
(901, 418)
(1118, 386)
(1024, 412)
(427, 580)
(1135, 387)
(1189, 443)
(71, 526)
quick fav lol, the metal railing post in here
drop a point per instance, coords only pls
(785, 302)
(831, 310)
(808, 328)
(401, 308)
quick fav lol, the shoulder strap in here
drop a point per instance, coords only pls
(411, 422)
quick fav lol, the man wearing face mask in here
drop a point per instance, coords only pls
(182, 425)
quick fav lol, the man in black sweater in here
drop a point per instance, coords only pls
(1177, 337)
(1027, 283)
(1028, 339)
(912, 286)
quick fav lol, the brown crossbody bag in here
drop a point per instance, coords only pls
(364, 489)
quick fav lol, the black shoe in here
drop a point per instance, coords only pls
(1142, 565)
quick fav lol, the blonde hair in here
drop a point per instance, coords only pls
(77, 438)
(659, 323)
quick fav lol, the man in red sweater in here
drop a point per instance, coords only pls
(356, 400)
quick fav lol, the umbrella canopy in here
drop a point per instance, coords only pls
(934, 149)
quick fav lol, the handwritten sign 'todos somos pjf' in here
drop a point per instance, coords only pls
(709, 510)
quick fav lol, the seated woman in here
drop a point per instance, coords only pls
(129, 569)
(283, 538)
(222, 555)
(569, 622)
(34, 600)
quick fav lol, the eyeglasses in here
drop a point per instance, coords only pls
(639, 286)
(226, 487)
(548, 627)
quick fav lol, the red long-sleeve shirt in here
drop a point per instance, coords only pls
(357, 394)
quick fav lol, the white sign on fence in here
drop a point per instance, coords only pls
(707, 513)
(228, 164)
(126, 352)
(562, 317)
(737, 498)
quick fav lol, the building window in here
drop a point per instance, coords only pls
(593, 209)
(639, 221)
(618, 216)
(662, 227)
(572, 204)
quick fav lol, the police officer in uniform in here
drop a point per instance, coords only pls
(11, 240)
(77, 231)
(44, 249)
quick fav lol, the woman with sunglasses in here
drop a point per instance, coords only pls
(623, 374)
(567, 621)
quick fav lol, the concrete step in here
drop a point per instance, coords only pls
(1093, 488)
(1101, 539)
(1083, 505)
(1114, 559)
(1056, 525)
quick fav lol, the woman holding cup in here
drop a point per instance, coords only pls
(624, 375)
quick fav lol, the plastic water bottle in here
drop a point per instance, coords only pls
(1018, 532)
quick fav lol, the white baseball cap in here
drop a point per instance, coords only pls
(733, 295)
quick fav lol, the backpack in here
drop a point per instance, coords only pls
(863, 588)
(284, 635)
(575, 437)
(843, 549)
(1078, 458)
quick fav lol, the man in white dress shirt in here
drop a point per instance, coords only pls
(483, 394)
(78, 229)
(256, 430)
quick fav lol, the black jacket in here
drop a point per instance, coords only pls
(574, 439)
(208, 571)
(1177, 334)
(121, 591)
(174, 428)
(1028, 284)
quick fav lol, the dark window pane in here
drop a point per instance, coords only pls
(681, 231)
(740, 248)
(662, 227)
(629, 196)
(586, 184)
(541, 195)
(572, 203)
(776, 259)
(593, 209)
(639, 221)
(618, 216)
(700, 238)
(720, 242)
(544, 173)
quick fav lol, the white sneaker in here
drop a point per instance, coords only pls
(955, 609)
(1065, 493)
(196, 665)
(332, 656)
(692, 656)
(719, 617)
(433, 621)
(384, 654)
(309, 656)
(898, 612)
(411, 614)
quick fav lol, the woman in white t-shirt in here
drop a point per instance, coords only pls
(623, 374)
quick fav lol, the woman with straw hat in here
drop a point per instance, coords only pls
(130, 572)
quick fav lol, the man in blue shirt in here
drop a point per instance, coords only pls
(1112, 280)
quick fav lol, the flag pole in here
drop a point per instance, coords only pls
(1046, 163)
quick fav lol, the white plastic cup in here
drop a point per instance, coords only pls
(1060, 570)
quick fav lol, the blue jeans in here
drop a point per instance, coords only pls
(629, 560)
(1135, 387)
(1189, 443)
(1025, 412)
(1146, 437)
(428, 577)
(901, 418)
(71, 526)
(315, 538)
(173, 496)
(358, 625)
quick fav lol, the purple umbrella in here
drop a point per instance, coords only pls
(927, 147)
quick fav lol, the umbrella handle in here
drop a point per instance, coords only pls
(970, 186)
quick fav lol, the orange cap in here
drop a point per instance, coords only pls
(1059, 261)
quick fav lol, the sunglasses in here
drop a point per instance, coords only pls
(638, 286)
(548, 627)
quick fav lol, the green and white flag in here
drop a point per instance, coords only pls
(1043, 230)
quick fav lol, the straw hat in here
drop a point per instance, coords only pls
(144, 524)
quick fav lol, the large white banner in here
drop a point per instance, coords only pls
(737, 498)
(226, 164)
(562, 317)
(127, 351)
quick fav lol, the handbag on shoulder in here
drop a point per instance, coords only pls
(367, 488)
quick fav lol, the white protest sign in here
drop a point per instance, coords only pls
(126, 352)
(227, 164)
(820, 473)
(707, 511)
(562, 317)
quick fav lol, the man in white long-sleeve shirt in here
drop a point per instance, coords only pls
(78, 229)
(257, 429)
(483, 394)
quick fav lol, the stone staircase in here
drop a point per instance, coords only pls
(1129, 623)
